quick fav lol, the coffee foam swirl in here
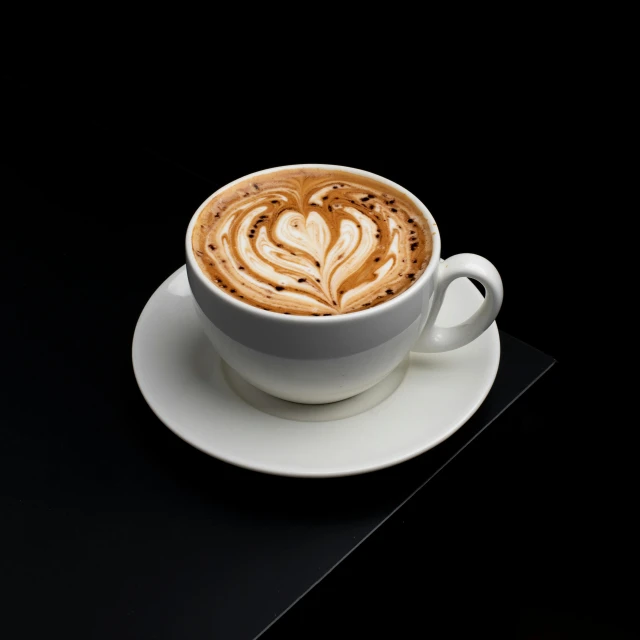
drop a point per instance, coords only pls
(312, 242)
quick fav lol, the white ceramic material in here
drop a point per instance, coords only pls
(185, 383)
(324, 359)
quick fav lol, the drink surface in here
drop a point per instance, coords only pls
(312, 242)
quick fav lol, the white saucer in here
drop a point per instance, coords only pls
(205, 403)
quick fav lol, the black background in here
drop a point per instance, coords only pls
(530, 532)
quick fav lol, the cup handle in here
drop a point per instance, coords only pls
(436, 339)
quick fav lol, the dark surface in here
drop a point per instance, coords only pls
(530, 532)
(170, 542)
(109, 507)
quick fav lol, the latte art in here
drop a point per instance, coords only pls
(312, 242)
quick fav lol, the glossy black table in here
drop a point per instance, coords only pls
(119, 528)
(111, 526)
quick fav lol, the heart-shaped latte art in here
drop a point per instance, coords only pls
(311, 246)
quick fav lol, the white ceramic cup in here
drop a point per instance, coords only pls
(315, 360)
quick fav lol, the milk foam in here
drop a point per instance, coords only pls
(312, 242)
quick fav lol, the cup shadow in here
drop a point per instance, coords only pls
(315, 412)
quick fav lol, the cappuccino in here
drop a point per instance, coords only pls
(312, 242)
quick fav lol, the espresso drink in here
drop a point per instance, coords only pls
(312, 242)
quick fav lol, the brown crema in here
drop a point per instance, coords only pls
(312, 242)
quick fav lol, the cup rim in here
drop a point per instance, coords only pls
(383, 307)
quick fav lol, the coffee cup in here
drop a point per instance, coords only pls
(316, 359)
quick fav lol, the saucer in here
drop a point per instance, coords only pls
(203, 401)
